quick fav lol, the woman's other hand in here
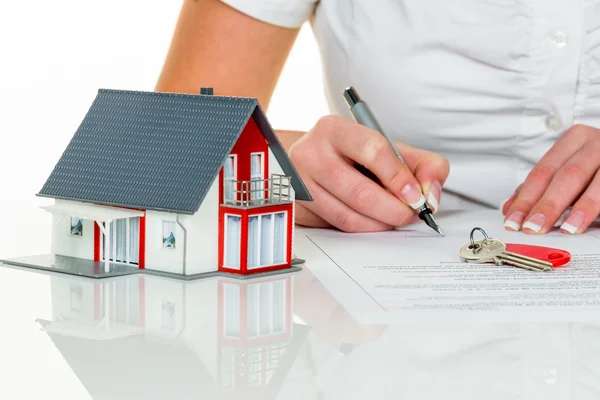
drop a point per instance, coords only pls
(567, 176)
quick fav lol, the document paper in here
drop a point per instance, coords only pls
(412, 270)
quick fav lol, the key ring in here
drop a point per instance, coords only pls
(474, 246)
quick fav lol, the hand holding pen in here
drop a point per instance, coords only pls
(364, 116)
(327, 158)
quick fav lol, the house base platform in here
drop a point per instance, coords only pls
(96, 269)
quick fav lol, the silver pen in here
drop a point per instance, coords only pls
(363, 115)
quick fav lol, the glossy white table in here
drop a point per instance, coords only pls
(284, 337)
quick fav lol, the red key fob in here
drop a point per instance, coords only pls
(555, 256)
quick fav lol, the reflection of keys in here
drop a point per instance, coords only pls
(493, 250)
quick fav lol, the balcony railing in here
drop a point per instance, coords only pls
(257, 192)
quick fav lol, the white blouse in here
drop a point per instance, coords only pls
(490, 84)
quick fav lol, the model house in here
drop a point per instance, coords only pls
(183, 184)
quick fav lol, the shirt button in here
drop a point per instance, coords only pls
(560, 39)
(553, 123)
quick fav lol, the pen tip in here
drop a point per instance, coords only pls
(430, 221)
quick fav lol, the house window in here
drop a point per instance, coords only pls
(257, 176)
(280, 238)
(168, 234)
(76, 226)
(267, 239)
(134, 240)
(233, 229)
(229, 177)
(120, 226)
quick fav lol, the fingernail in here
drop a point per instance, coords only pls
(535, 223)
(514, 220)
(573, 222)
(413, 196)
(433, 198)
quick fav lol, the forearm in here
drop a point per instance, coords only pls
(216, 46)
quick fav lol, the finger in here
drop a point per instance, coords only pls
(508, 202)
(567, 184)
(338, 214)
(305, 217)
(541, 175)
(414, 220)
(361, 193)
(370, 149)
(585, 210)
(430, 169)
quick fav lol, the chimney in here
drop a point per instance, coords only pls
(206, 90)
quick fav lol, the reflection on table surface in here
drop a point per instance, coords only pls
(148, 337)
(286, 337)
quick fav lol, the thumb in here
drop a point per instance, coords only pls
(430, 169)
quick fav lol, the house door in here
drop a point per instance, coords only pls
(119, 242)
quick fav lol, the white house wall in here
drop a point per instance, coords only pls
(158, 257)
(275, 168)
(65, 244)
(202, 234)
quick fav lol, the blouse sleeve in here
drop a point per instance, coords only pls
(284, 13)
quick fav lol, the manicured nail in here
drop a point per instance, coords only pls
(573, 222)
(433, 198)
(514, 220)
(413, 196)
(535, 223)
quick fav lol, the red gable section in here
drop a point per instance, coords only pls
(250, 141)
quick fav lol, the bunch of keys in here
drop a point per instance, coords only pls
(492, 250)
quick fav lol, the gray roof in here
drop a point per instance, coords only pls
(157, 151)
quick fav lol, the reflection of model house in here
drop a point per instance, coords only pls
(240, 341)
(179, 183)
(255, 330)
(98, 311)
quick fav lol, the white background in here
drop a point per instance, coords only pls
(55, 55)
